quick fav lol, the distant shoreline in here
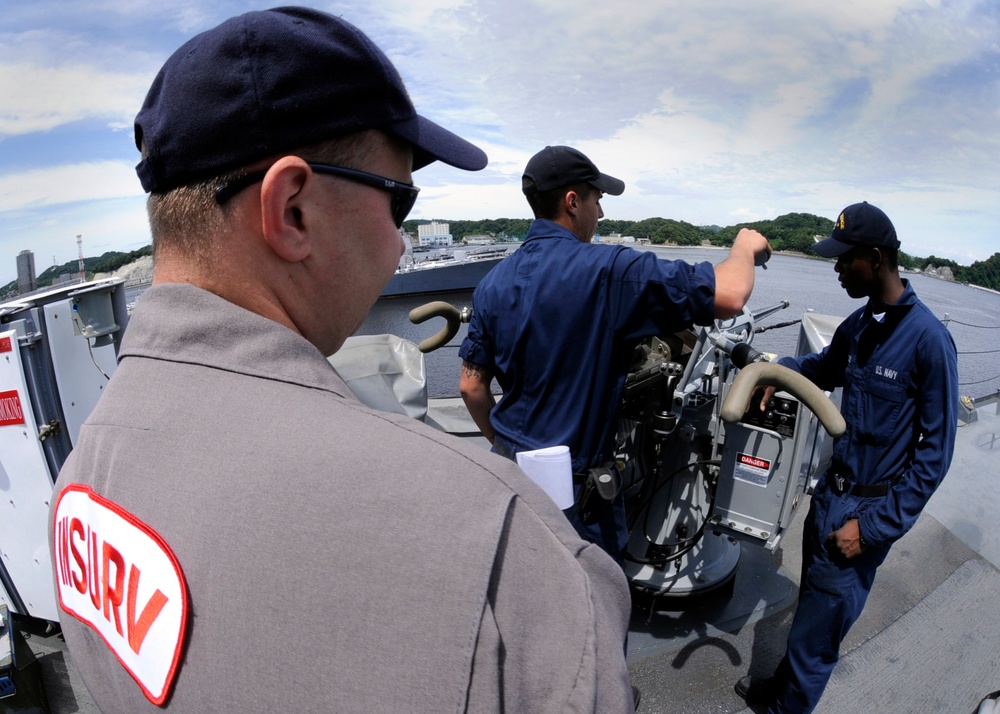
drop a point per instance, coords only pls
(141, 270)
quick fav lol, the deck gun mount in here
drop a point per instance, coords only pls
(701, 472)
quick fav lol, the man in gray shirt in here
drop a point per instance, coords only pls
(234, 530)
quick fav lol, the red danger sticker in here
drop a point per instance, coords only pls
(10, 409)
(752, 469)
(748, 460)
(5, 345)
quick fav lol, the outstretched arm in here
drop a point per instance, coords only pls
(477, 395)
(734, 276)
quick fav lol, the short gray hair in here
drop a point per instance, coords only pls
(187, 218)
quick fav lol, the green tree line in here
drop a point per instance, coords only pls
(798, 231)
(792, 232)
(658, 231)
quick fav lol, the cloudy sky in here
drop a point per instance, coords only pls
(713, 112)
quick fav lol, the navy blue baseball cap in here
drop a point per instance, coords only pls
(558, 166)
(858, 224)
(272, 81)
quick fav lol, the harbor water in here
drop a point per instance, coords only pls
(807, 284)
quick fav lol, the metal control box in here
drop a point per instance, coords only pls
(761, 481)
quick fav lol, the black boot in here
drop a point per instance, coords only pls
(756, 690)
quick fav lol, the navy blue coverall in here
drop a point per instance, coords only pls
(557, 323)
(900, 401)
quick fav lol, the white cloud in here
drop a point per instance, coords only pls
(37, 99)
(712, 112)
(68, 184)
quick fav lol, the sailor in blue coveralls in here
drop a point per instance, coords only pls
(898, 368)
(557, 323)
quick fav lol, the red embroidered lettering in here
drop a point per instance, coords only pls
(80, 583)
(113, 596)
(62, 551)
(93, 575)
(137, 629)
(107, 588)
(108, 559)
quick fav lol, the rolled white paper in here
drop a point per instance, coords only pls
(552, 469)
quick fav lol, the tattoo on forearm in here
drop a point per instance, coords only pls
(475, 370)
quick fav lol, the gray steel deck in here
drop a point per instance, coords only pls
(926, 642)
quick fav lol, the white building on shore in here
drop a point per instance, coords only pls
(434, 235)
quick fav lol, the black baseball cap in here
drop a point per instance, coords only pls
(558, 166)
(858, 224)
(271, 81)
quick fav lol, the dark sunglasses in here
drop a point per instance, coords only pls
(404, 195)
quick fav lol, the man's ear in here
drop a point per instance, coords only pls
(282, 201)
(878, 259)
(571, 202)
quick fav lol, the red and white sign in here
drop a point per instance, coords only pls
(752, 469)
(757, 463)
(115, 574)
(6, 345)
(11, 412)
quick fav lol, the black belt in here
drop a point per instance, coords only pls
(842, 486)
(605, 479)
(597, 484)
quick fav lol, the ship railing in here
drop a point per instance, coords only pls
(968, 406)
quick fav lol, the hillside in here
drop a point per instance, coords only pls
(101, 265)
(790, 232)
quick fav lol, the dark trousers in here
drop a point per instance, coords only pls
(605, 523)
(832, 593)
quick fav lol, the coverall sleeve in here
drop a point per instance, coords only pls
(651, 296)
(476, 347)
(937, 417)
(553, 631)
(826, 368)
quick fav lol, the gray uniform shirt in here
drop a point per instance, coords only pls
(335, 558)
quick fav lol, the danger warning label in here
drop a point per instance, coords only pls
(752, 469)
